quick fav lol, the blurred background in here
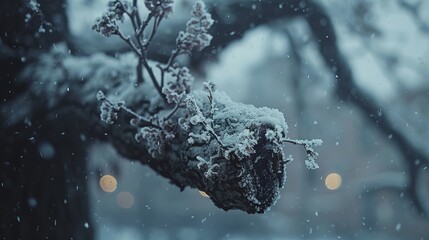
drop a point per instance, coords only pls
(353, 73)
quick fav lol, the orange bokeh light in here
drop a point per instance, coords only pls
(204, 194)
(333, 181)
(108, 183)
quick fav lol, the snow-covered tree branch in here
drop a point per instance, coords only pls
(196, 138)
(98, 92)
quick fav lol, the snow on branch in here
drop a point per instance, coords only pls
(196, 138)
(309, 145)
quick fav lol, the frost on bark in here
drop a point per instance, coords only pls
(234, 174)
(149, 112)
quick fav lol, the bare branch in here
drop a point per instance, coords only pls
(153, 78)
(128, 40)
(156, 22)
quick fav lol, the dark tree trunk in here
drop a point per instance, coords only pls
(42, 171)
(44, 182)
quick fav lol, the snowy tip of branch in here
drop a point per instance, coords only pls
(310, 162)
(108, 113)
(109, 109)
(199, 9)
(160, 7)
(196, 37)
(209, 86)
(315, 142)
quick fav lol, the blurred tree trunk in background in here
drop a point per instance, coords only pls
(242, 17)
(42, 173)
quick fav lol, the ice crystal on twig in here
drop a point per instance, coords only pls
(109, 111)
(197, 117)
(243, 145)
(309, 145)
(175, 91)
(196, 37)
(117, 9)
(153, 138)
(106, 24)
(160, 7)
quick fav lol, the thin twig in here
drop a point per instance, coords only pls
(167, 66)
(129, 14)
(144, 121)
(145, 24)
(162, 75)
(139, 70)
(130, 42)
(213, 133)
(173, 56)
(177, 107)
(136, 13)
(153, 78)
(152, 34)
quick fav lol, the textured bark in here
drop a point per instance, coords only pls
(250, 183)
(265, 170)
